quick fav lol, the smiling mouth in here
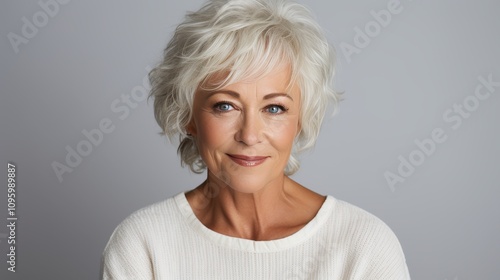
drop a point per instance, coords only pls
(246, 160)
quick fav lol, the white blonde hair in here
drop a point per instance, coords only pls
(243, 38)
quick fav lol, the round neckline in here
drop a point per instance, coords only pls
(248, 245)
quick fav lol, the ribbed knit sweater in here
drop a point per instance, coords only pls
(167, 241)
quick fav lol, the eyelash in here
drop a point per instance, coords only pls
(281, 107)
(217, 109)
(218, 104)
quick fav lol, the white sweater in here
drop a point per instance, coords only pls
(166, 241)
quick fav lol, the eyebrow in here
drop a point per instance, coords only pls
(237, 95)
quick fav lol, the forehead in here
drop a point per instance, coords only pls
(278, 79)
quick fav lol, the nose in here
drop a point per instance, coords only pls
(250, 130)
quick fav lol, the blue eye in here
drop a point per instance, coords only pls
(223, 107)
(275, 109)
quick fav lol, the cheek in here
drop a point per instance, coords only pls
(212, 132)
(282, 134)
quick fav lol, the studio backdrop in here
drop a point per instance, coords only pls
(415, 142)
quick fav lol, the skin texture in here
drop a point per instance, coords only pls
(250, 199)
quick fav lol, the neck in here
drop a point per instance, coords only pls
(265, 214)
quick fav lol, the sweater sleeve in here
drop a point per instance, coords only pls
(366, 247)
(126, 254)
(381, 256)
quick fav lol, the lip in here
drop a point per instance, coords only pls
(247, 161)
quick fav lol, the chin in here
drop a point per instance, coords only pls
(248, 182)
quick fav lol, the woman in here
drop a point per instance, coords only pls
(245, 84)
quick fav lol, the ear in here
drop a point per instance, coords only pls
(191, 128)
(299, 128)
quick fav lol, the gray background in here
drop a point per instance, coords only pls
(90, 53)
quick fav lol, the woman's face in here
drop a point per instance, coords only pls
(245, 131)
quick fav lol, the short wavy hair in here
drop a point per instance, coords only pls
(243, 38)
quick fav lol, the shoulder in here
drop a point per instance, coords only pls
(147, 222)
(353, 224)
(153, 213)
(357, 220)
(368, 242)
